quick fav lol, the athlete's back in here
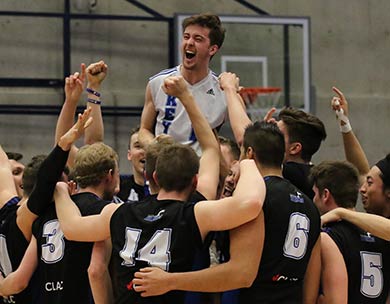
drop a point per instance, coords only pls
(160, 233)
(292, 227)
(367, 261)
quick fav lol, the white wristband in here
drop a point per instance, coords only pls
(346, 126)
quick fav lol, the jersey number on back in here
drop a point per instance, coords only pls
(295, 244)
(53, 249)
(155, 252)
(372, 278)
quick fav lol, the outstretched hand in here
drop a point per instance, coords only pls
(268, 117)
(77, 130)
(74, 85)
(151, 281)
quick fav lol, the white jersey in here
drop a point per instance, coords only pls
(172, 118)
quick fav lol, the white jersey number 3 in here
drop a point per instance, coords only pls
(156, 250)
(53, 249)
(295, 244)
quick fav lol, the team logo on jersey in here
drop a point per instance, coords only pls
(211, 92)
(296, 198)
(152, 217)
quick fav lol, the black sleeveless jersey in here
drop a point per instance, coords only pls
(130, 190)
(62, 269)
(13, 245)
(367, 259)
(292, 227)
(161, 233)
(298, 175)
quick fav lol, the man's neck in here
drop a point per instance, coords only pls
(266, 171)
(95, 190)
(173, 195)
(296, 159)
(138, 178)
(194, 76)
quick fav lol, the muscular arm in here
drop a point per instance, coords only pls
(243, 206)
(208, 176)
(246, 246)
(238, 117)
(98, 273)
(312, 276)
(375, 224)
(18, 280)
(148, 119)
(334, 276)
(91, 228)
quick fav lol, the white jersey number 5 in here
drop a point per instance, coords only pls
(372, 278)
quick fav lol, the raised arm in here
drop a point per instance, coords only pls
(243, 206)
(96, 73)
(7, 185)
(148, 120)
(18, 280)
(91, 228)
(246, 246)
(354, 153)
(374, 224)
(48, 174)
(238, 117)
(208, 176)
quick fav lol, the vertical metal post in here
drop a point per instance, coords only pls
(286, 64)
(66, 39)
(171, 43)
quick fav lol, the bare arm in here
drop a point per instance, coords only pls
(238, 117)
(208, 176)
(312, 276)
(96, 73)
(98, 273)
(354, 153)
(240, 271)
(243, 206)
(18, 280)
(375, 224)
(334, 275)
(148, 119)
(7, 185)
(91, 228)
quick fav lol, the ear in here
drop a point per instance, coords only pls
(155, 178)
(249, 153)
(326, 195)
(295, 148)
(129, 155)
(213, 49)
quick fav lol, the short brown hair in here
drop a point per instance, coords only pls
(341, 178)
(30, 173)
(217, 32)
(304, 128)
(176, 166)
(92, 163)
(153, 151)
